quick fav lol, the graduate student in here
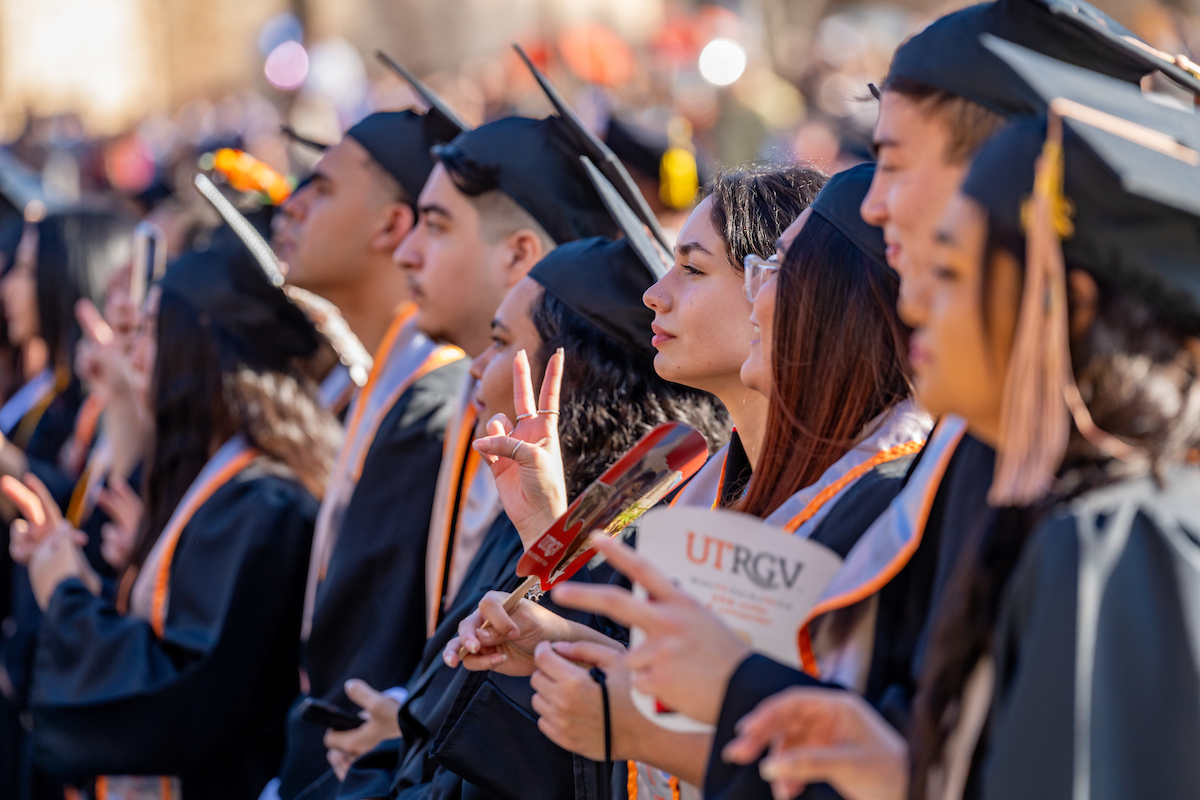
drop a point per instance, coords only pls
(1062, 325)
(60, 259)
(369, 546)
(702, 330)
(834, 461)
(609, 397)
(188, 672)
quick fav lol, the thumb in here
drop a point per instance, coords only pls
(591, 653)
(361, 693)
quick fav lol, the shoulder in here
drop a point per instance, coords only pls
(862, 503)
(263, 495)
(425, 407)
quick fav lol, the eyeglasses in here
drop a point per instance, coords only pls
(757, 271)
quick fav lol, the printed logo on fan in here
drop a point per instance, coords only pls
(549, 546)
(764, 569)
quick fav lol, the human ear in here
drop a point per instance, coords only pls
(526, 249)
(1082, 298)
(398, 219)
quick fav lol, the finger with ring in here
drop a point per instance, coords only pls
(530, 415)
(515, 449)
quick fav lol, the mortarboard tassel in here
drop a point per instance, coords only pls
(1034, 418)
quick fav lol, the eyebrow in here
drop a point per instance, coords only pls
(687, 248)
(879, 144)
(434, 208)
(496, 323)
(944, 237)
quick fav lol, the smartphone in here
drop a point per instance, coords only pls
(327, 715)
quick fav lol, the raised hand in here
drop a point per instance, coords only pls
(43, 541)
(688, 655)
(823, 736)
(125, 509)
(525, 458)
(100, 359)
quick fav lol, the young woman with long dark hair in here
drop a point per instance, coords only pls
(1063, 326)
(187, 673)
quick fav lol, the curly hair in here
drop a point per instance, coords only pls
(611, 395)
(1139, 375)
(197, 404)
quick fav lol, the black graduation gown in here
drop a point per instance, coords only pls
(401, 767)
(904, 616)
(369, 615)
(207, 702)
(18, 610)
(1108, 587)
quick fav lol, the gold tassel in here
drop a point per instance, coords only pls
(678, 175)
(1034, 417)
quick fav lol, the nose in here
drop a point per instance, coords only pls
(874, 206)
(480, 363)
(408, 254)
(656, 297)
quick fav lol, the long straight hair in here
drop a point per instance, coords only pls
(838, 360)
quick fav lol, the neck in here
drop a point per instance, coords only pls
(748, 409)
(370, 304)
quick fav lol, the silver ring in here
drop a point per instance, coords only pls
(547, 411)
(528, 416)
(513, 457)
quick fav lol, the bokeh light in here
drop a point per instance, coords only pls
(722, 62)
(287, 66)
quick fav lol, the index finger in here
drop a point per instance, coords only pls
(49, 506)
(92, 322)
(522, 385)
(25, 500)
(626, 561)
(552, 383)
(611, 601)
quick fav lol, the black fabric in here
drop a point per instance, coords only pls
(536, 163)
(400, 142)
(839, 202)
(905, 611)
(738, 472)
(602, 281)
(18, 609)
(401, 768)
(1145, 693)
(252, 322)
(1135, 210)
(376, 571)
(207, 701)
(948, 54)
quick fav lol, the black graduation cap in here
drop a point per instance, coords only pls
(948, 54)
(252, 322)
(536, 163)
(1131, 176)
(838, 203)
(290, 133)
(401, 141)
(588, 145)
(603, 280)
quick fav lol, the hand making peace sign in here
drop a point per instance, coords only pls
(525, 458)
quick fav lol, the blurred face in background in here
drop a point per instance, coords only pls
(19, 289)
(963, 335)
(914, 181)
(758, 371)
(702, 329)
